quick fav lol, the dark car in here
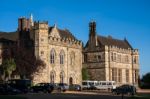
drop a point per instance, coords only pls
(5, 89)
(55, 86)
(43, 87)
(63, 87)
(125, 89)
(75, 87)
(21, 84)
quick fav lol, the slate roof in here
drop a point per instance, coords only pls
(14, 35)
(64, 33)
(115, 42)
(102, 41)
(3, 40)
(9, 35)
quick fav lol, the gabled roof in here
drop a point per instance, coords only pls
(113, 42)
(9, 35)
(3, 40)
(63, 33)
(102, 41)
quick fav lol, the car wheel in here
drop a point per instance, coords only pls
(49, 91)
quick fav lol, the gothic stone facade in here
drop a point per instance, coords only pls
(59, 49)
(62, 53)
(109, 59)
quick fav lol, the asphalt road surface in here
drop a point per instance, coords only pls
(70, 96)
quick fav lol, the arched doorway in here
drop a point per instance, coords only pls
(70, 81)
(61, 77)
(52, 77)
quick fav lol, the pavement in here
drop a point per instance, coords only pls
(71, 94)
(86, 92)
(143, 91)
(99, 92)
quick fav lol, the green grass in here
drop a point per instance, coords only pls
(11, 97)
(140, 97)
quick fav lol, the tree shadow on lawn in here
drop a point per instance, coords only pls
(11, 97)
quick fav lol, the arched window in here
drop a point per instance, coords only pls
(52, 56)
(112, 59)
(62, 55)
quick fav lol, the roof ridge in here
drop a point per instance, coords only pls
(111, 38)
(113, 41)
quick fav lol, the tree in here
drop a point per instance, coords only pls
(27, 63)
(8, 66)
(23, 58)
(2, 73)
(85, 75)
(146, 81)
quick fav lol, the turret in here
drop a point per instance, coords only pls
(24, 32)
(23, 24)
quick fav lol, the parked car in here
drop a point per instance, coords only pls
(125, 89)
(21, 84)
(43, 87)
(63, 87)
(55, 86)
(75, 87)
(5, 89)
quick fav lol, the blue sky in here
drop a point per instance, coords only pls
(118, 18)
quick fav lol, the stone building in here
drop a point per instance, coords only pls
(62, 53)
(110, 59)
(58, 48)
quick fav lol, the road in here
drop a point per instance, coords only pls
(70, 96)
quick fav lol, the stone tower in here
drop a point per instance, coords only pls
(41, 49)
(41, 39)
(24, 32)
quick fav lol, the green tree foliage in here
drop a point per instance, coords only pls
(85, 75)
(7, 67)
(146, 81)
(146, 78)
(27, 63)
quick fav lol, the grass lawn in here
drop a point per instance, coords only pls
(140, 97)
(11, 97)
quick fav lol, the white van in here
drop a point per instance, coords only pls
(106, 85)
(87, 84)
